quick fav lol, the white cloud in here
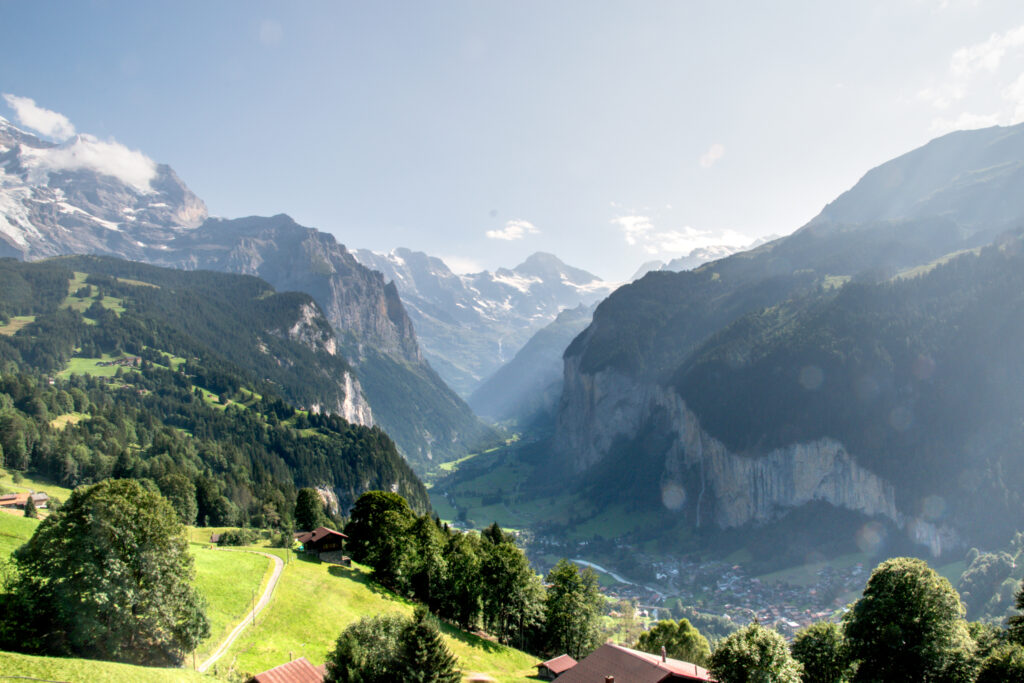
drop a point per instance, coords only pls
(461, 266)
(49, 123)
(983, 85)
(641, 231)
(986, 56)
(513, 230)
(714, 153)
(86, 152)
(636, 228)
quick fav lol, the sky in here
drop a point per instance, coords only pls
(607, 133)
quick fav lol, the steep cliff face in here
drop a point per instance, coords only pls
(312, 330)
(291, 257)
(469, 324)
(707, 483)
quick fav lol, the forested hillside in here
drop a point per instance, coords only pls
(919, 378)
(118, 369)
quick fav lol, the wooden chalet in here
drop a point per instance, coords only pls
(17, 501)
(321, 540)
(553, 668)
(616, 664)
(296, 671)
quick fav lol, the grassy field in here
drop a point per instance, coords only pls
(14, 530)
(90, 366)
(17, 666)
(228, 580)
(62, 421)
(314, 602)
(30, 484)
(16, 323)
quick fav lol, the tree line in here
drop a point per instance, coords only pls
(476, 579)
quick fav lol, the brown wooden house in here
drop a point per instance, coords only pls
(321, 540)
(617, 664)
(553, 668)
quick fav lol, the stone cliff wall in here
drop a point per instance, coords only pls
(703, 478)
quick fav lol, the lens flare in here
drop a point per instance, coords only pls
(673, 496)
(871, 538)
(811, 377)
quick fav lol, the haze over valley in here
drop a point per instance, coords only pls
(574, 329)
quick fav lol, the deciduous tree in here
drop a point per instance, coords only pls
(821, 649)
(908, 626)
(572, 610)
(754, 654)
(109, 576)
(680, 640)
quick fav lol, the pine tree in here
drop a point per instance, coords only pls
(30, 508)
(423, 656)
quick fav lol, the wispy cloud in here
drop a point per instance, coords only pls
(86, 152)
(49, 123)
(77, 152)
(635, 228)
(641, 231)
(461, 265)
(973, 74)
(714, 153)
(513, 230)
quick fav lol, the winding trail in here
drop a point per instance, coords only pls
(251, 616)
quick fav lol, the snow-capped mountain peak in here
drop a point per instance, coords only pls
(86, 195)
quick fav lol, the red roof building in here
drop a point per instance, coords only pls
(623, 665)
(553, 668)
(296, 671)
(18, 500)
(321, 540)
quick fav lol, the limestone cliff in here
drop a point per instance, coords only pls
(702, 479)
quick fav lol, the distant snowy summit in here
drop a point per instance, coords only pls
(699, 257)
(86, 195)
(470, 324)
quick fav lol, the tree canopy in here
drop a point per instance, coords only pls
(680, 640)
(388, 648)
(572, 609)
(109, 576)
(908, 626)
(821, 649)
(755, 654)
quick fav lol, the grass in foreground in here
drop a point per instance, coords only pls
(314, 602)
(228, 580)
(14, 665)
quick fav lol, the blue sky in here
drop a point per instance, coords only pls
(609, 133)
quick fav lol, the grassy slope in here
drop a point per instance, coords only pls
(228, 580)
(314, 602)
(87, 670)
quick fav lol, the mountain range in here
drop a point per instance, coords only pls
(469, 325)
(863, 363)
(88, 196)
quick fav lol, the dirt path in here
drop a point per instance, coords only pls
(251, 616)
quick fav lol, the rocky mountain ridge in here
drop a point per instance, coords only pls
(471, 324)
(622, 375)
(92, 197)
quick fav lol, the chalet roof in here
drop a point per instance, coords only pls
(317, 535)
(19, 499)
(558, 665)
(632, 666)
(296, 671)
(322, 532)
